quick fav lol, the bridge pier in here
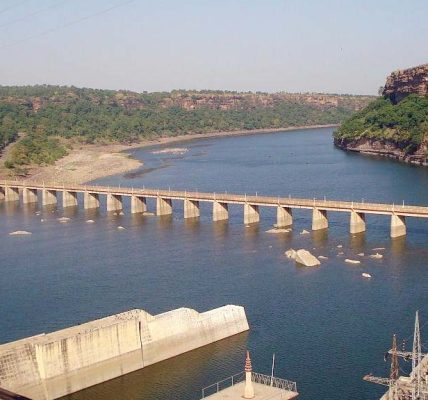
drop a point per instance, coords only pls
(1, 192)
(48, 197)
(90, 200)
(29, 196)
(191, 208)
(284, 217)
(251, 213)
(357, 223)
(11, 193)
(69, 199)
(138, 204)
(114, 202)
(163, 206)
(220, 211)
(398, 225)
(319, 219)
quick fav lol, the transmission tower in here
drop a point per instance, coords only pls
(416, 358)
(393, 375)
(414, 387)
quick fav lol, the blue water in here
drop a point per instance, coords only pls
(327, 326)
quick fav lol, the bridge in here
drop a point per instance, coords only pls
(28, 192)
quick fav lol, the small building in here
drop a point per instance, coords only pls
(251, 385)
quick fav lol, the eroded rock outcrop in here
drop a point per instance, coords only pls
(394, 125)
(401, 83)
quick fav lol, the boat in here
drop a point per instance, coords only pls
(366, 275)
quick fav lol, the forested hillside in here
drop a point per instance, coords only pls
(45, 115)
(394, 125)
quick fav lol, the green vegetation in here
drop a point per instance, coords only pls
(404, 124)
(45, 114)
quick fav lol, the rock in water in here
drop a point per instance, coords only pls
(16, 233)
(307, 259)
(291, 254)
(349, 261)
(278, 230)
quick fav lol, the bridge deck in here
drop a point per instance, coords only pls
(267, 201)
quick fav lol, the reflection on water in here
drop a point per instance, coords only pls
(327, 325)
(357, 241)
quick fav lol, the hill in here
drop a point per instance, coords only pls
(394, 125)
(51, 117)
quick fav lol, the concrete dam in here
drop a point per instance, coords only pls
(49, 366)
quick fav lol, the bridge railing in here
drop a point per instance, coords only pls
(227, 197)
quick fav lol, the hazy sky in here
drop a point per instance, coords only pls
(336, 46)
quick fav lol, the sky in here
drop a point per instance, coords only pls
(330, 46)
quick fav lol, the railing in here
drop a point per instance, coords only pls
(323, 204)
(273, 381)
(220, 385)
(282, 384)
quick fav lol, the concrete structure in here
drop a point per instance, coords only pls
(220, 211)
(191, 208)
(49, 366)
(114, 202)
(398, 225)
(251, 385)
(357, 223)
(319, 219)
(251, 213)
(48, 197)
(69, 199)
(29, 196)
(90, 200)
(10, 191)
(284, 217)
(138, 204)
(163, 206)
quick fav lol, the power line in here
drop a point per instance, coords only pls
(12, 7)
(55, 4)
(71, 23)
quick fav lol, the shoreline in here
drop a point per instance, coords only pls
(88, 162)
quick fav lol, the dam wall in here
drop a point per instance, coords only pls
(49, 366)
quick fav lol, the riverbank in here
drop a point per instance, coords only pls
(85, 163)
(384, 148)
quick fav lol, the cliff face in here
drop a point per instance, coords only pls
(242, 101)
(401, 83)
(395, 125)
(186, 100)
(387, 148)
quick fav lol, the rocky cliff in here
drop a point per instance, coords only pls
(395, 125)
(41, 97)
(241, 101)
(401, 83)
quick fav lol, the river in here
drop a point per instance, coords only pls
(327, 326)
